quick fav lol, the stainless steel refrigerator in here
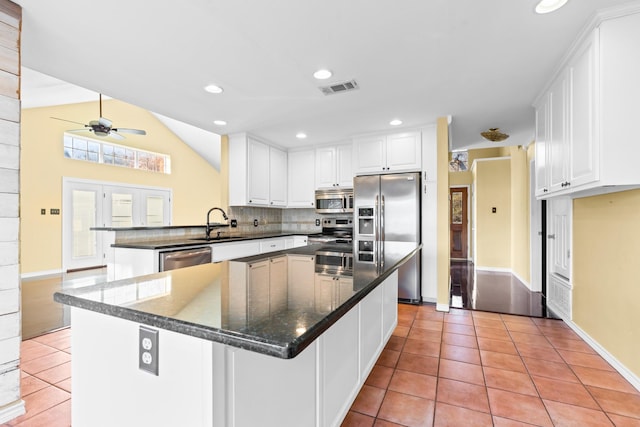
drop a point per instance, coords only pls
(387, 211)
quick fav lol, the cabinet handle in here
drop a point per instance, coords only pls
(250, 201)
(551, 236)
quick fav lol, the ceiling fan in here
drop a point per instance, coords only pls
(103, 127)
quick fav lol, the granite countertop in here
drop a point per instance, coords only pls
(193, 241)
(213, 301)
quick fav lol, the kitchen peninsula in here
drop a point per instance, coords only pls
(268, 340)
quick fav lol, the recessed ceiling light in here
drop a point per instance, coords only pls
(213, 89)
(301, 135)
(395, 122)
(219, 122)
(546, 6)
(322, 74)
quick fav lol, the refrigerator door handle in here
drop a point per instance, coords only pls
(382, 236)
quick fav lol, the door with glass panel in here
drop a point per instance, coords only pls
(81, 247)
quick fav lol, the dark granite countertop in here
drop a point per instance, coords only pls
(214, 301)
(191, 241)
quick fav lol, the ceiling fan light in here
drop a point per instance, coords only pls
(547, 6)
(494, 135)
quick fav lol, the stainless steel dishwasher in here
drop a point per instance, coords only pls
(171, 260)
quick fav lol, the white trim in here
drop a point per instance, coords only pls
(12, 411)
(615, 363)
(524, 282)
(495, 269)
(41, 273)
(442, 307)
(430, 300)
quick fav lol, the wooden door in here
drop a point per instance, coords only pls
(458, 222)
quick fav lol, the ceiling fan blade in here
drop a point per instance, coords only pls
(113, 134)
(126, 130)
(65, 120)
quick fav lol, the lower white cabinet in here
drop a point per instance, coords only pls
(204, 383)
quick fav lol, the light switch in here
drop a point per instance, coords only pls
(493, 210)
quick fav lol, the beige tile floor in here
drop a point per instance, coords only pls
(464, 368)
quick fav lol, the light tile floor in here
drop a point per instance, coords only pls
(464, 368)
(45, 364)
(474, 368)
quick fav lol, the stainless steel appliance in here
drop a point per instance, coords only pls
(387, 209)
(335, 260)
(334, 200)
(171, 260)
(334, 230)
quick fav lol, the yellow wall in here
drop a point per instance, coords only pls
(520, 213)
(606, 294)
(465, 178)
(196, 184)
(493, 230)
(443, 210)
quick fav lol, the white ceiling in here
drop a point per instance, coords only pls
(482, 62)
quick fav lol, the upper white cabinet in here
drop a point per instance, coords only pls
(387, 153)
(257, 173)
(586, 118)
(334, 166)
(301, 181)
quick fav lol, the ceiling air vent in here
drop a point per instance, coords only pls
(339, 87)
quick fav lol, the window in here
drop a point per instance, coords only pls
(79, 148)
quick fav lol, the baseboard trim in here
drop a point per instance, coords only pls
(429, 300)
(494, 269)
(617, 365)
(524, 282)
(12, 411)
(41, 274)
(442, 307)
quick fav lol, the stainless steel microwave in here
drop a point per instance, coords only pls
(334, 200)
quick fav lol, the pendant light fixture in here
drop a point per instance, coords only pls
(494, 135)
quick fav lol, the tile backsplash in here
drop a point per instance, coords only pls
(272, 220)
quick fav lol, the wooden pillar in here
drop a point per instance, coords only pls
(11, 405)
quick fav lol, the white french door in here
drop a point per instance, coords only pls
(81, 210)
(88, 204)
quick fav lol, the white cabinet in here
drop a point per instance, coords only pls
(387, 153)
(295, 242)
(301, 180)
(334, 166)
(227, 251)
(272, 244)
(278, 283)
(257, 173)
(301, 269)
(589, 125)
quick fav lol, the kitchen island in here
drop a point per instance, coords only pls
(270, 340)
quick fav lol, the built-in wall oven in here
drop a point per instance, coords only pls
(170, 260)
(334, 200)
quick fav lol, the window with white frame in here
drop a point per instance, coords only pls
(81, 148)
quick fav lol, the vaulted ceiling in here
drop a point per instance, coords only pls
(482, 62)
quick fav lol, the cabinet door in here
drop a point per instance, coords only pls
(404, 152)
(301, 179)
(277, 177)
(583, 144)
(542, 135)
(326, 167)
(344, 166)
(369, 154)
(278, 284)
(257, 291)
(557, 138)
(258, 172)
(344, 290)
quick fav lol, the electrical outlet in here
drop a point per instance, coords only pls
(255, 222)
(54, 211)
(148, 350)
(234, 223)
(43, 211)
(317, 222)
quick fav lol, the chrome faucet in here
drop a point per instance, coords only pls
(211, 226)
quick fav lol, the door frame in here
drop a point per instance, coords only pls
(537, 239)
(470, 251)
